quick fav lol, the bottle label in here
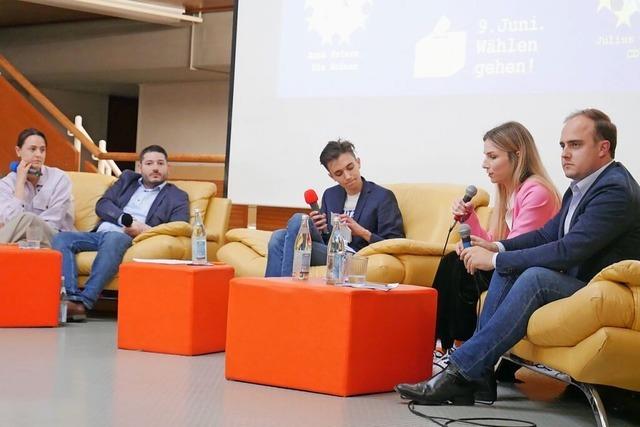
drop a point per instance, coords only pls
(305, 262)
(199, 249)
(301, 262)
(335, 268)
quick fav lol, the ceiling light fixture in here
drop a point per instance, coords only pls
(128, 9)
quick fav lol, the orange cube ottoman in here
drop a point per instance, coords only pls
(29, 286)
(337, 340)
(176, 309)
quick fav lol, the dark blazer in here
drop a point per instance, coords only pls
(171, 204)
(377, 210)
(604, 229)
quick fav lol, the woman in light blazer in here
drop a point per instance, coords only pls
(525, 200)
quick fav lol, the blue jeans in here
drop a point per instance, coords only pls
(111, 247)
(505, 315)
(280, 253)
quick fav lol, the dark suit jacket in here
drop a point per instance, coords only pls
(604, 229)
(377, 210)
(172, 204)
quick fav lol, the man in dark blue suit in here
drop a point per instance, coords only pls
(597, 225)
(370, 211)
(132, 205)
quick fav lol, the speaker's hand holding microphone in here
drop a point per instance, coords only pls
(462, 208)
(319, 219)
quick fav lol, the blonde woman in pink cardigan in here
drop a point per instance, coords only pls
(525, 200)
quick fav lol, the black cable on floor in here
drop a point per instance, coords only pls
(476, 421)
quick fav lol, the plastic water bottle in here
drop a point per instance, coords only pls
(302, 251)
(62, 315)
(336, 254)
(198, 240)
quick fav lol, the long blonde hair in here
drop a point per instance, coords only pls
(517, 142)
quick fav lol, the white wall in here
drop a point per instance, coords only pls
(189, 117)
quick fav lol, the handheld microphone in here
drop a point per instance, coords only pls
(469, 194)
(465, 235)
(311, 198)
(13, 166)
(126, 220)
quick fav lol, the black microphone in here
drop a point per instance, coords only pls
(465, 235)
(126, 219)
(469, 194)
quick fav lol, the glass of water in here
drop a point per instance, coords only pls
(357, 269)
(34, 236)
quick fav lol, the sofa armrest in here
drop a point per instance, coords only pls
(175, 229)
(405, 247)
(610, 299)
(258, 240)
(217, 219)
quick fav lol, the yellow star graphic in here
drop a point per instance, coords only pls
(624, 15)
(604, 4)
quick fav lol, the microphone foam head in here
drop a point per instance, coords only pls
(465, 231)
(470, 192)
(310, 197)
(126, 219)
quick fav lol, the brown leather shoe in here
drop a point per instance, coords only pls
(76, 312)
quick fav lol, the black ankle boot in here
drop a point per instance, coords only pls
(506, 372)
(486, 388)
(448, 386)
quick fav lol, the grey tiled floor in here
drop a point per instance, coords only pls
(75, 376)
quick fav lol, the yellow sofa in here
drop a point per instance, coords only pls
(426, 211)
(171, 240)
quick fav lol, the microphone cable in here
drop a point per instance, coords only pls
(444, 248)
(473, 421)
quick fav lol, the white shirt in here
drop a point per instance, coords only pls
(350, 204)
(579, 189)
(138, 207)
(50, 199)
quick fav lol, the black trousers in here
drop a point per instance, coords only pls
(458, 294)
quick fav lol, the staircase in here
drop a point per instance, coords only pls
(17, 114)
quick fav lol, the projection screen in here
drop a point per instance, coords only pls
(415, 84)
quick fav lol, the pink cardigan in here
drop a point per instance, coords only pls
(534, 206)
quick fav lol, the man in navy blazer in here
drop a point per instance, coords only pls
(132, 205)
(596, 226)
(369, 211)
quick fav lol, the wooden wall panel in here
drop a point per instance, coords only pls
(238, 217)
(270, 218)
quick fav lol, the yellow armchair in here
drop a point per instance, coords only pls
(426, 212)
(171, 240)
(590, 338)
(593, 335)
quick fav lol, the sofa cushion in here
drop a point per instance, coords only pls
(86, 189)
(257, 240)
(199, 194)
